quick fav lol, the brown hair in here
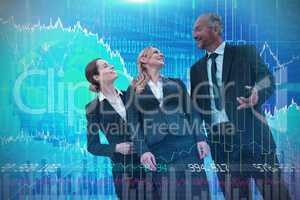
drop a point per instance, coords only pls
(140, 82)
(90, 70)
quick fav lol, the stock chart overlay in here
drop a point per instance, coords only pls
(45, 46)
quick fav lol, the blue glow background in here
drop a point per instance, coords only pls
(55, 139)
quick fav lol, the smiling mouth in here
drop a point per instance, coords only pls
(198, 39)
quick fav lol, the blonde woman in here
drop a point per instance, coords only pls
(166, 130)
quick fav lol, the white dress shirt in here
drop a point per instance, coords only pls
(157, 90)
(116, 103)
(218, 116)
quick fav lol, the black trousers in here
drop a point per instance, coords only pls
(180, 173)
(244, 162)
(128, 178)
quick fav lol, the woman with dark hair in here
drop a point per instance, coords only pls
(169, 132)
(107, 113)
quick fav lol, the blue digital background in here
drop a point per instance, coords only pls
(54, 40)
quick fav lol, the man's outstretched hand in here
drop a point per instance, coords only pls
(250, 101)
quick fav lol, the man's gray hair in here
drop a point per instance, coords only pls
(214, 20)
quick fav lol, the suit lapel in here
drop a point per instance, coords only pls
(148, 92)
(109, 111)
(93, 107)
(165, 86)
(168, 90)
(123, 97)
(203, 68)
(227, 62)
(202, 72)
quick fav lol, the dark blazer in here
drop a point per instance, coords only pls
(102, 116)
(150, 123)
(242, 66)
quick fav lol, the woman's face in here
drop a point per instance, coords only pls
(106, 72)
(154, 58)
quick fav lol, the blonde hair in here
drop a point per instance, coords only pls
(143, 77)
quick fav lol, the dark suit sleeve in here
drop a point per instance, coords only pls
(194, 117)
(94, 145)
(263, 78)
(135, 124)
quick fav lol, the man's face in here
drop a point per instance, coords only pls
(203, 33)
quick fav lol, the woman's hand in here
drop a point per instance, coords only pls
(148, 160)
(203, 149)
(125, 148)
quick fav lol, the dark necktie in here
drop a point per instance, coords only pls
(216, 89)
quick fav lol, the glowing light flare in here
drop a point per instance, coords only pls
(138, 1)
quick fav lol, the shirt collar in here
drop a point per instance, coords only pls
(219, 50)
(101, 96)
(150, 82)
